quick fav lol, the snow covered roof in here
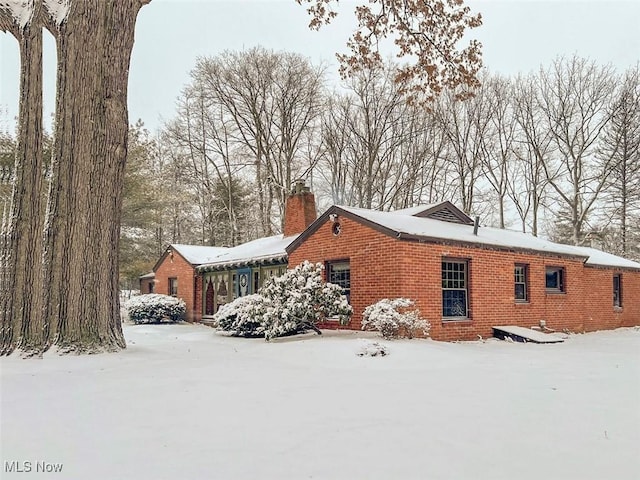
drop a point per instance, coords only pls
(412, 211)
(198, 254)
(598, 257)
(263, 250)
(147, 275)
(405, 226)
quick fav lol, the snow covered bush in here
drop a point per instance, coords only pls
(244, 317)
(372, 349)
(292, 303)
(300, 299)
(393, 319)
(155, 308)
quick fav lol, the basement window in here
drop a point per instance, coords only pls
(173, 286)
(521, 281)
(455, 292)
(617, 290)
(555, 280)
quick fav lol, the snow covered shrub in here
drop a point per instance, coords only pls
(393, 319)
(155, 308)
(372, 349)
(244, 317)
(300, 299)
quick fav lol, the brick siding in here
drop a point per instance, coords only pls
(384, 267)
(176, 266)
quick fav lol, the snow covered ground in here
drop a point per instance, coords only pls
(184, 403)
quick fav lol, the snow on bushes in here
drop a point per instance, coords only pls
(244, 317)
(291, 303)
(372, 349)
(155, 308)
(393, 319)
(300, 299)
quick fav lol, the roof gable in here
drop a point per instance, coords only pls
(444, 211)
(193, 254)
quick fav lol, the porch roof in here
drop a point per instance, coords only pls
(263, 251)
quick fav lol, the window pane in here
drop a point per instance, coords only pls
(454, 289)
(617, 290)
(552, 279)
(340, 274)
(520, 291)
(454, 303)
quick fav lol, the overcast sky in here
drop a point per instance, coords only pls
(517, 35)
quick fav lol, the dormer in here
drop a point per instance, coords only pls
(443, 211)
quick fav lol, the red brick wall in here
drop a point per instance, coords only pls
(145, 285)
(176, 266)
(300, 212)
(383, 267)
(599, 313)
(374, 258)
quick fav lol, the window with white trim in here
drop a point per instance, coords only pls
(521, 281)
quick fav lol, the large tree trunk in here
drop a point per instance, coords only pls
(22, 247)
(94, 43)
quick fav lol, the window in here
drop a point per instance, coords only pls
(617, 290)
(555, 279)
(173, 286)
(454, 289)
(256, 281)
(340, 274)
(521, 277)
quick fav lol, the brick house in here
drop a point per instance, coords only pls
(147, 283)
(175, 273)
(242, 270)
(465, 278)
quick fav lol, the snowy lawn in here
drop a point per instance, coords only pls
(184, 403)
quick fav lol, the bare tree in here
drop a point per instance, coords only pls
(497, 142)
(619, 146)
(336, 144)
(203, 134)
(464, 123)
(272, 100)
(532, 147)
(377, 148)
(574, 95)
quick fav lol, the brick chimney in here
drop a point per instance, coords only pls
(300, 210)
